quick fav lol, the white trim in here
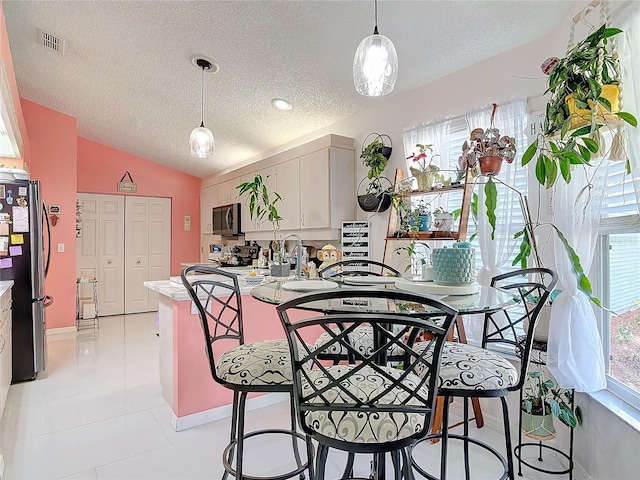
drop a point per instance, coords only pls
(61, 330)
(1, 466)
(218, 413)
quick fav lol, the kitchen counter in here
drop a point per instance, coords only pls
(185, 376)
(5, 285)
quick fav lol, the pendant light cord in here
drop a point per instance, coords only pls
(202, 98)
(375, 18)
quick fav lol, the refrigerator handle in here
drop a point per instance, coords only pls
(46, 219)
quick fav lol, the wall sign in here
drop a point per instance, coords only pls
(355, 244)
(129, 186)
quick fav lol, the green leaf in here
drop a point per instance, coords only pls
(540, 172)
(491, 201)
(565, 168)
(627, 117)
(574, 158)
(529, 153)
(581, 104)
(551, 169)
(610, 32)
(584, 153)
(565, 127)
(605, 102)
(591, 144)
(581, 131)
(584, 284)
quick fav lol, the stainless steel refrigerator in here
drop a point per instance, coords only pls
(25, 249)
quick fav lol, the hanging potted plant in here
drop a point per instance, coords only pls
(585, 99)
(376, 197)
(423, 171)
(542, 401)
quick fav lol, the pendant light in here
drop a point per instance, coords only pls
(201, 140)
(375, 65)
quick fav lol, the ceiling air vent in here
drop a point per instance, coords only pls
(51, 41)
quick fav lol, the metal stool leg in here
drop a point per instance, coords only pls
(445, 439)
(321, 461)
(234, 430)
(465, 443)
(294, 439)
(240, 456)
(507, 437)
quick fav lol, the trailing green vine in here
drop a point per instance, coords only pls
(491, 201)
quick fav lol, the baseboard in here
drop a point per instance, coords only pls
(1, 466)
(218, 413)
(61, 330)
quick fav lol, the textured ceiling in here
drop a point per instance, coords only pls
(126, 73)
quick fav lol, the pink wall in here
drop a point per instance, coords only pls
(5, 57)
(100, 168)
(54, 162)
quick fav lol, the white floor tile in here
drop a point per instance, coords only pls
(98, 413)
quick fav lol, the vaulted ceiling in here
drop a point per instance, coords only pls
(127, 77)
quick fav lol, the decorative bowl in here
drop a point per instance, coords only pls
(253, 281)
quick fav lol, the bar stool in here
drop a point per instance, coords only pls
(470, 371)
(248, 367)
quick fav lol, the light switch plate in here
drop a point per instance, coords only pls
(61, 247)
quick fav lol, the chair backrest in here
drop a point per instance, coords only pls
(216, 295)
(379, 269)
(323, 389)
(514, 328)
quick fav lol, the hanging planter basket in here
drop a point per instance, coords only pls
(387, 146)
(376, 197)
(538, 427)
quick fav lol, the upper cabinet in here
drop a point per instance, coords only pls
(208, 200)
(316, 182)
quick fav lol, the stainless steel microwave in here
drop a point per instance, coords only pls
(226, 220)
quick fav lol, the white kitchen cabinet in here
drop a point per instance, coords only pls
(208, 200)
(228, 193)
(5, 347)
(327, 195)
(288, 186)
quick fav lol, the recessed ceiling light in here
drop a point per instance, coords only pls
(281, 104)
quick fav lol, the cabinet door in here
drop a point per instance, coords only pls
(208, 200)
(227, 192)
(288, 186)
(314, 190)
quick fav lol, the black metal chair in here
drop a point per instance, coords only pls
(361, 338)
(367, 406)
(244, 368)
(379, 269)
(470, 371)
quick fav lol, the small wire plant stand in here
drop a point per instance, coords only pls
(87, 303)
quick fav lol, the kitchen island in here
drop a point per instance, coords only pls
(187, 385)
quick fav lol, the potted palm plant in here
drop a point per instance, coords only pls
(263, 203)
(376, 197)
(541, 402)
(584, 88)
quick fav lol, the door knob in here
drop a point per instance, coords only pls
(109, 262)
(137, 261)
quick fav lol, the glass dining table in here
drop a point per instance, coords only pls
(483, 300)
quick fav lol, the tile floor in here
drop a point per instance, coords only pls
(98, 413)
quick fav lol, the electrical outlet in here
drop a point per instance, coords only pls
(61, 247)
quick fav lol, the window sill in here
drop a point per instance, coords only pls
(618, 407)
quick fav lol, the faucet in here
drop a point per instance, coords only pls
(299, 248)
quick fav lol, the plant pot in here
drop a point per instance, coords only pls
(425, 223)
(280, 269)
(538, 427)
(371, 202)
(443, 222)
(490, 165)
(425, 180)
(582, 116)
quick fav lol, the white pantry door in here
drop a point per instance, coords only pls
(136, 254)
(100, 250)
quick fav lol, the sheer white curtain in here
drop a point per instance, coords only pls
(434, 133)
(574, 349)
(510, 119)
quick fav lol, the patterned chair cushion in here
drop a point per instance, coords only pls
(360, 426)
(260, 363)
(361, 338)
(466, 367)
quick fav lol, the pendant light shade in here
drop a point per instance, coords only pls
(201, 139)
(375, 65)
